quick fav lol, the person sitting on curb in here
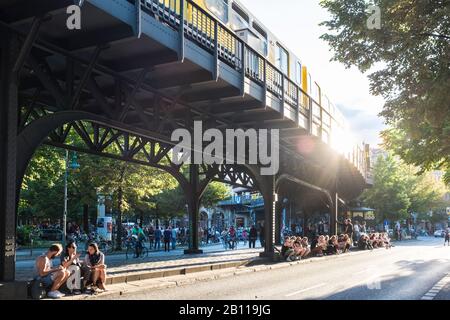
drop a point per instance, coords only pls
(306, 247)
(333, 246)
(49, 276)
(320, 248)
(95, 260)
(70, 260)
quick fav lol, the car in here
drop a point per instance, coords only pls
(439, 234)
(51, 235)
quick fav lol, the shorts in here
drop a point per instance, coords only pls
(48, 280)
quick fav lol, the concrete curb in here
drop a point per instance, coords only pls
(170, 283)
(158, 274)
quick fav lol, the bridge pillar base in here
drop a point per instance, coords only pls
(193, 251)
(8, 155)
(14, 290)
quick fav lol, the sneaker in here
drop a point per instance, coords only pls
(54, 294)
(60, 293)
(76, 292)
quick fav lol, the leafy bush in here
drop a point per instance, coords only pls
(23, 235)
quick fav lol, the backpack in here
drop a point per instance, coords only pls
(36, 289)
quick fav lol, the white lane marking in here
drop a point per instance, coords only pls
(433, 292)
(304, 290)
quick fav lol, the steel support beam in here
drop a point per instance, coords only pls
(9, 50)
(193, 208)
(334, 214)
(27, 45)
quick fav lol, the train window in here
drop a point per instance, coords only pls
(262, 40)
(219, 8)
(309, 84)
(316, 92)
(239, 19)
(282, 59)
(260, 30)
(298, 73)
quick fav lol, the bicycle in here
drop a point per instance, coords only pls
(132, 248)
(106, 246)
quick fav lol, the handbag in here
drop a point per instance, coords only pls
(37, 289)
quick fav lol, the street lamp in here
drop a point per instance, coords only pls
(72, 165)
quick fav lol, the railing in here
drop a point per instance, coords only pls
(209, 33)
(230, 48)
(291, 93)
(254, 65)
(274, 80)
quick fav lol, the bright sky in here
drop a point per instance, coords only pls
(295, 23)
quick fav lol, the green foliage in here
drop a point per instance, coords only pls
(398, 190)
(409, 63)
(42, 188)
(146, 191)
(24, 234)
(215, 192)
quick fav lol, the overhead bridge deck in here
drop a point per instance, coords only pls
(203, 69)
(137, 70)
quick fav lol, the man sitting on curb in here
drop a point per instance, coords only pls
(49, 276)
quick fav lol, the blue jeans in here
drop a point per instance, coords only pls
(158, 243)
(47, 281)
(174, 243)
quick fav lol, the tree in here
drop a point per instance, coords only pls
(215, 192)
(408, 58)
(398, 190)
(41, 194)
(388, 196)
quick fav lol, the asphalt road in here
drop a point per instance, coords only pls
(406, 272)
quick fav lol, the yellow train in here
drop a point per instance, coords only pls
(231, 13)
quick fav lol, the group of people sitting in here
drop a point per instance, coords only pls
(374, 241)
(296, 248)
(72, 273)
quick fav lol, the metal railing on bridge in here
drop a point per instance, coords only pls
(206, 31)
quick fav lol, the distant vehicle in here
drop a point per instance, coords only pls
(439, 233)
(51, 235)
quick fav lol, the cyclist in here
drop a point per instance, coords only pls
(139, 235)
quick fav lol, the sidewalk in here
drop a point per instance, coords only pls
(157, 261)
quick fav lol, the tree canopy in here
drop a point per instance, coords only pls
(408, 59)
(146, 191)
(399, 191)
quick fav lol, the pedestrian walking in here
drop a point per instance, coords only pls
(447, 237)
(174, 237)
(232, 240)
(158, 235)
(151, 236)
(245, 236)
(167, 239)
(252, 237)
(262, 238)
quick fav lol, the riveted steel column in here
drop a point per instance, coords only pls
(193, 209)
(9, 50)
(334, 214)
(270, 202)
